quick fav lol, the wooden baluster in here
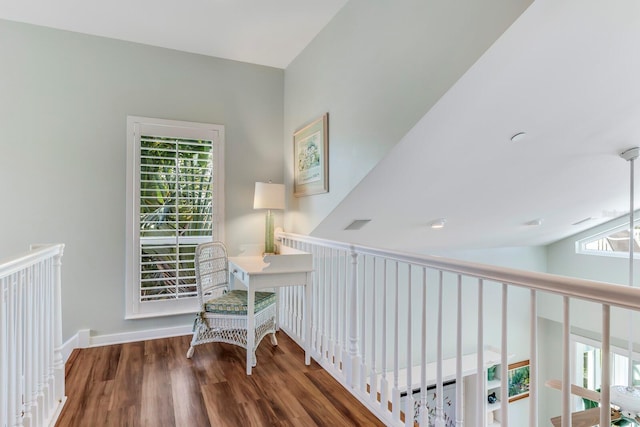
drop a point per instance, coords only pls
(363, 336)
(396, 347)
(326, 304)
(4, 380)
(43, 345)
(337, 350)
(533, 369)
(384, 383)
(566, 363)
(459, 397)
(352, 365)
(330, 311)
(315, 331)
(605, 379)
(424, 415)
(481, 413)
(439, 385)
(504, 389)
(58, 362)
(345, 318)
(409, 403)
(373, 378)
(28, 345)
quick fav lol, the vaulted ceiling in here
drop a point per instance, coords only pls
(567, 73)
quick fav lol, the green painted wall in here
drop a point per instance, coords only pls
(377, 68)
(64, 100)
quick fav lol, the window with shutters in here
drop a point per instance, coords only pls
(174, 202)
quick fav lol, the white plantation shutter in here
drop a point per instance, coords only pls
(176, 203)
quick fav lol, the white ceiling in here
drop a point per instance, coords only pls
(265, 32)
(567, 73)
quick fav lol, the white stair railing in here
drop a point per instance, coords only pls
(31, 364)
(388, 324)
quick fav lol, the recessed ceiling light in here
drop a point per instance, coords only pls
(438, 223)
(534, 222)
(518, 137)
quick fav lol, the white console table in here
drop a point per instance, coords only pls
(289, 268)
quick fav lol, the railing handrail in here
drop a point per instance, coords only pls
(31, 362)
(16, 263)
(611, 294)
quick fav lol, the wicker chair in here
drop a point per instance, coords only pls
(223, 313)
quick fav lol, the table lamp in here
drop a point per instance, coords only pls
(268, 196)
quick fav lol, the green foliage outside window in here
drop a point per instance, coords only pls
(175, 210)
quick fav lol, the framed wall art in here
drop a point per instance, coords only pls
(311, 158)
(518, 375)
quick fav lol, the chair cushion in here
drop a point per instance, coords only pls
(235, 303)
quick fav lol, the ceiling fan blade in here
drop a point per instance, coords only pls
(575, 389)
(586, 418)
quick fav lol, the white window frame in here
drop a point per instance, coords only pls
(582, 243)
(170, 128)
(576, 374)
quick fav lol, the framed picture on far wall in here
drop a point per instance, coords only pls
(311, 158)
(518, 380)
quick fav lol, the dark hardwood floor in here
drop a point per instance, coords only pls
(152, 383)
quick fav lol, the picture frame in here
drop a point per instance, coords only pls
(311, 158)
(518, 380)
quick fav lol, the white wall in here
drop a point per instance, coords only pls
(550, 367)
(377, 68)
(64, 99)
(585, 317)
(563, 260)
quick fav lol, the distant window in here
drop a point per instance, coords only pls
(175, 201)
(613, 242)
(588, 361)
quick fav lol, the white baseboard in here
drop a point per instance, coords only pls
(83, 338)
(149, 334)
(68, 346)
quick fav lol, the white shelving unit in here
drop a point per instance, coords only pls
(493, 409)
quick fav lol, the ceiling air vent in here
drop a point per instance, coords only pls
(357, 224)
(582, 221)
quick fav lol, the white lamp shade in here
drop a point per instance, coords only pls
(268, 196)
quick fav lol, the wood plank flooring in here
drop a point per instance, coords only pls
(152, 383)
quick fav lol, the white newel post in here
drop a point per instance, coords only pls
(58, 362)
(354, 362)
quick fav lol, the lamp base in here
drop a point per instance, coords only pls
(269, 245)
